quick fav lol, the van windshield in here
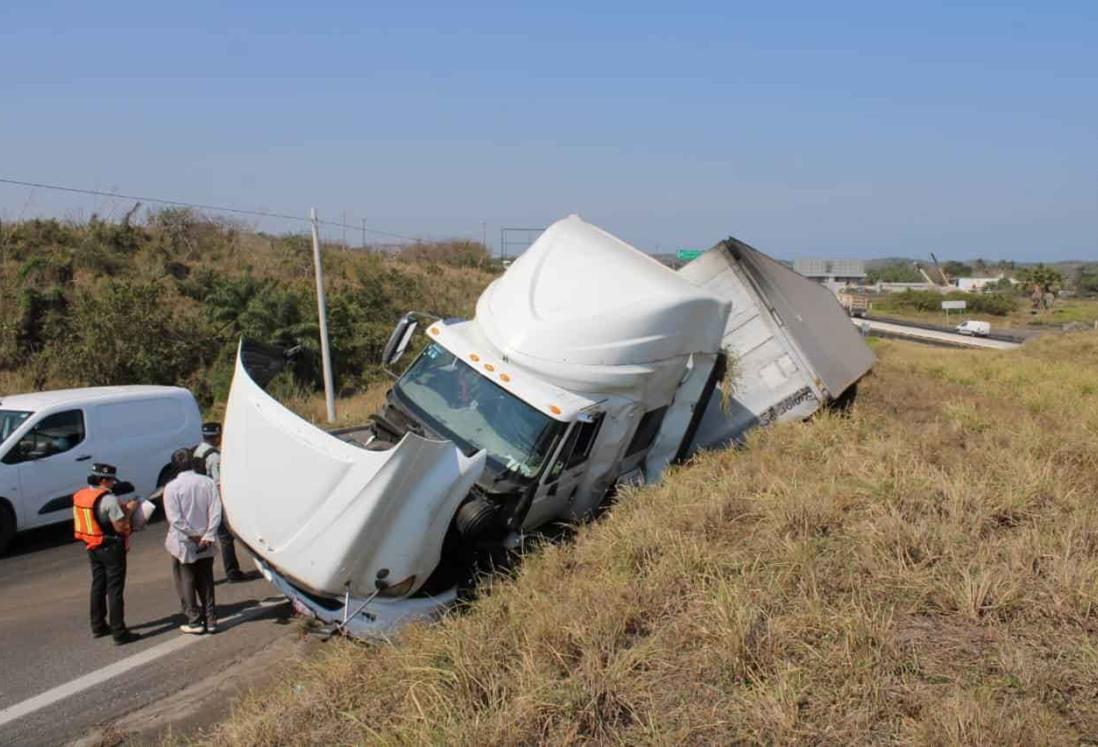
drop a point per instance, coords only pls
(461, 405)
(10, 420)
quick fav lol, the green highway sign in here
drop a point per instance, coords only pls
(685, 255)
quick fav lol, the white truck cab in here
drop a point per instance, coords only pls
(587, 364)
(49, 440)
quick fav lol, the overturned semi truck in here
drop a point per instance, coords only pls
(588, 364)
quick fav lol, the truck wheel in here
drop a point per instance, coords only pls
(474, 518)
(7, 525)
(845, 401)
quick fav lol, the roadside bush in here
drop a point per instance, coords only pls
(28, 238)
(129, 333)
(166, 301)
(456, 252)
(995, 304)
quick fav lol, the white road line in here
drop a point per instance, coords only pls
(59, 693)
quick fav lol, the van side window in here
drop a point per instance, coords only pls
(55, 434)
(646, 432)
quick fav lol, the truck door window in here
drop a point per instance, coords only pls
(585, 437)
(577, 447)
(646, 432)
(55, 434)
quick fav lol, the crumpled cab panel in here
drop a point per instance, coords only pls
(329, 515)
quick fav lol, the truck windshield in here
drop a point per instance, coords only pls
(460, 404)
(10, 420)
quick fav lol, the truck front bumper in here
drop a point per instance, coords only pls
(376, 619)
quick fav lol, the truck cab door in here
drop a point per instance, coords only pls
(560, 482)
(53, 463)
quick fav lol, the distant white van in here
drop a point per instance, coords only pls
(974, 328)
(49, 441)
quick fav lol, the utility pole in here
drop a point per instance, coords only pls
(363, 233)
(343, 222)
(322, 313)
(484, 234)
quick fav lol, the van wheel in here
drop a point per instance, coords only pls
(7, 525)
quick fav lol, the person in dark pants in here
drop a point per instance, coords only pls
(193, 510)
(103, 522)
(194, 583)
(209, 452)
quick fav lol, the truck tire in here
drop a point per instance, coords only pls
(474, 518)
(7, 525)
(845, 401)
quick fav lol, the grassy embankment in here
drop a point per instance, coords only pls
(164, 301)
(924, 570)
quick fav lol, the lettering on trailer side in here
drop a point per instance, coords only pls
(792, 401)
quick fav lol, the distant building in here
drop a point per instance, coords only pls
(901, 287)
(835, 274)
(974, 284)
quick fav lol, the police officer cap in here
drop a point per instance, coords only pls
(101, 470)
(211, 429)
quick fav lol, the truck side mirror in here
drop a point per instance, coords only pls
(399, 339)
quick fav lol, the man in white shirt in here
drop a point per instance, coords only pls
(193, 510)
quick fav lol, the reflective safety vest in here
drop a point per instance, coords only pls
(85, 523)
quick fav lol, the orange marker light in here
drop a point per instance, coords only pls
(474, 357)
(554, 409)
(434, 330)
(489, 367)
(504, 377)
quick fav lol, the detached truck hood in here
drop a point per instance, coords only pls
(329, 515)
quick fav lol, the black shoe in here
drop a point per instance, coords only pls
(125, 637)
(100, 632)
(236, 577)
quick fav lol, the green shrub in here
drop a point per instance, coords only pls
(167, 301)
(995, 304)
(128, 332)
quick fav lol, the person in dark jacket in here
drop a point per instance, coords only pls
(209, 453)
(103, 522)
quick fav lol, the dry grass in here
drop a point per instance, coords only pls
(353, 410)
(924, 570)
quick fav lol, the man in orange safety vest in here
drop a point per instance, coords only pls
(103, 522)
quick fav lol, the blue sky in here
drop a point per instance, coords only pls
(806, 129)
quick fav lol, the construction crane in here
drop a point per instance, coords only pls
(929, 280)
(945, 278)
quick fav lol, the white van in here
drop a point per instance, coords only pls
(974, 328)
(49, 441)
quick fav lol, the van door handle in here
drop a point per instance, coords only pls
(84, 458)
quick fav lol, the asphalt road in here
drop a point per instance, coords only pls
(57, 683)
(934, 337)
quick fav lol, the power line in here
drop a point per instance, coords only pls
(200, 206)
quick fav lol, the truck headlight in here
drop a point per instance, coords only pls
(399, 589)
